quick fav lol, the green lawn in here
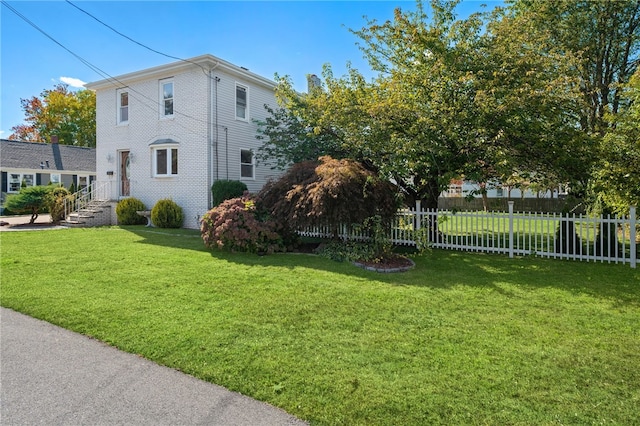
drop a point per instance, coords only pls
(461, 339)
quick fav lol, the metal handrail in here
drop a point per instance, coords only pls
(96, 192)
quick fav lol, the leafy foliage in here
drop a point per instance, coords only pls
(289, 139)
(617, 176)
(329, 192)
(236, 225)
(453, 97)
(167, 214)
(126, 211)
(55, 203)
(59, 112)
(31, 200)
(226, 189)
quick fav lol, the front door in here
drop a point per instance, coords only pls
(125, 174)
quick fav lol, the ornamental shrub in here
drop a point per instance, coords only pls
(235, 225)
(126, 211)
(55, 202)
(167, 214)
(30, 200)
(222, 190)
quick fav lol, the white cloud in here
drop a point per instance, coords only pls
(73, 82)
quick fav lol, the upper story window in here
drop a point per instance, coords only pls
(241, 102)
(166, 98)
(247, 168)
(123, 107)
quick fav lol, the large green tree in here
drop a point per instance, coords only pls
(69, 115)
(604, 38)
(452, 97)
(617, 177)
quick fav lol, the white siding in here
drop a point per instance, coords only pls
(194, 121)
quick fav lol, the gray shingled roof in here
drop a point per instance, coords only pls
(29, 155)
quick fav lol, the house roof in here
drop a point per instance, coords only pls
(206, 62)
(35, 155)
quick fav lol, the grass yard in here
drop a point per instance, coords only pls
(461, 339)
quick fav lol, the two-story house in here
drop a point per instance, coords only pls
(172, 130)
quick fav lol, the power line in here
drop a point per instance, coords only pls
(132, 40)
(101, 72)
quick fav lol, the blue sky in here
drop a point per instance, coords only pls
(288, 38)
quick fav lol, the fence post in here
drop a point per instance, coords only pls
(418, 217)
(632, 235)
(511, 229)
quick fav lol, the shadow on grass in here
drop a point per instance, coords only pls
(439, 268)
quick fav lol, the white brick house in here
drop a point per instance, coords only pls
(172, 130)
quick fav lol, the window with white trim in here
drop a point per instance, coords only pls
(16, 180)
(247, 167)
(241, 102)
(166, 98)
(55, 178)
(123, 107)
(165, 161)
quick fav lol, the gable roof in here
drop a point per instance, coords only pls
(206, 62)
(30, 155)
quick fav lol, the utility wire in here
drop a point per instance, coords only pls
(134, 41)
(101, 72)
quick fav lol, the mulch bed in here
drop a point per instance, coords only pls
(393, 263)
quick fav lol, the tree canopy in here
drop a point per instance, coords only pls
(521, 94)
(71, 116)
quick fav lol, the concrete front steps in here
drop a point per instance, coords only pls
(92, 215)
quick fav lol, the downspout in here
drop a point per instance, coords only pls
(217, 157)
(210, 120)
(226, 148)
(209, 141)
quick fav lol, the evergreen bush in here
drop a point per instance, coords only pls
(167, 214)
(126, 211)
(226, 189)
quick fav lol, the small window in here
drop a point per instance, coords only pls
(166, 161)
(246, 164)
(499, 192)
(54, 178)
(241, 102)
(123, 107)
(17, 180)
(166, 95)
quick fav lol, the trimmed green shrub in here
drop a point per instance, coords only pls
(30, 200)
(126, 211)
(55, 202)
(167, 214)
(235, 225)
(226, 189)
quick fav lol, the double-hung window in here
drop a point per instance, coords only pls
(123, 107)
(241, 102)
(166, 98)
(247, 167)
(165, 158)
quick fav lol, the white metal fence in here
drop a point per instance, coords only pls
(553, 235)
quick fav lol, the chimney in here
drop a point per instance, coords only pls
(313, 81)
(54, 138)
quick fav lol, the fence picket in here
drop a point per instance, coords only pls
(549, 235)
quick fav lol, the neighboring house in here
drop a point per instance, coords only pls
(172, 130)
(32, 163)
(464, 188)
